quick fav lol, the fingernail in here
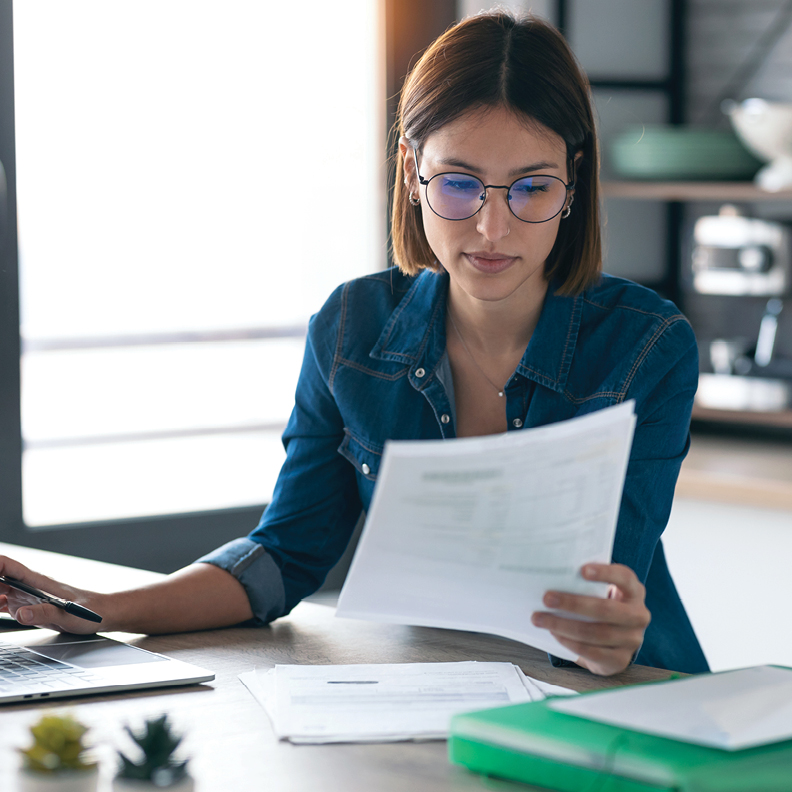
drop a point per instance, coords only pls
(589, 572)
(552, 600)
(537, 619)
(24, 615)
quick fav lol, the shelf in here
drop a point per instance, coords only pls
(746, 418)
(737, 470)
(691, 191)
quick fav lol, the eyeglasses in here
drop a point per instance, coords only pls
(458, 196)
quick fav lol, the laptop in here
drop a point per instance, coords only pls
(41, 664)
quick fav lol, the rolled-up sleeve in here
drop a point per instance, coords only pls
(315, 505)
(253, 567)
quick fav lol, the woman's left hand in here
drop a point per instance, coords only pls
(607, 642)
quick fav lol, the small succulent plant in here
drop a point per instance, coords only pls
(57, 746)
(157, 742)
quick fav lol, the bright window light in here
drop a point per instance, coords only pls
(193, 181)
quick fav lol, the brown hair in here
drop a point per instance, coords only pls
(523, 64)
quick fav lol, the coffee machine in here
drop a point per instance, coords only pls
(742, 269)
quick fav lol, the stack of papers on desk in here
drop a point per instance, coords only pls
(384, 702)
(469, 534)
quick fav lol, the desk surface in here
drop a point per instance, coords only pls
(228, 735)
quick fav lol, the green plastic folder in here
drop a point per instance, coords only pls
(552, 750)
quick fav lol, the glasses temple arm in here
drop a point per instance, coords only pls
(421, 179)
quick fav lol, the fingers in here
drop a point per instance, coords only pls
(606, 632)
(51, 618)
(13, 569)
(27, 609)
(619, 575)
(43, 615)
(603, 648)
(624, 607)
(604, 661)
(590, 633)
(614, 611)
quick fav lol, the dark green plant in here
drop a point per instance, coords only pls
(57, 746)
(157, 743)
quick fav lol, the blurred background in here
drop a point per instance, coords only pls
(163, 249)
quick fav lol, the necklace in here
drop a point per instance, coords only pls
(470, 355)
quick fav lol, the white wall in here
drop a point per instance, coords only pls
(731, 565)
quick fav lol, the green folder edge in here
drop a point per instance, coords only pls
(535, 744)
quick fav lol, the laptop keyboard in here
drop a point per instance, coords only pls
(24, 671)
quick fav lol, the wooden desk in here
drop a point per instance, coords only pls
(228, 735)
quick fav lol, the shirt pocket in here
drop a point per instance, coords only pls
(364, 455)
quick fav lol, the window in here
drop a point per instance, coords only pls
(192, 181)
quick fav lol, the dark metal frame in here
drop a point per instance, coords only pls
(10, 432)
(485, 187)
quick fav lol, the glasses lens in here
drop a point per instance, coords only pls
(455, 196)
(537, 198)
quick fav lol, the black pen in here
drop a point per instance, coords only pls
(69, 607)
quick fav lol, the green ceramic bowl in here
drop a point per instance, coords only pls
(681, 153)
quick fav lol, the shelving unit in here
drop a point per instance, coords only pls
(685, 191)
(677, 193)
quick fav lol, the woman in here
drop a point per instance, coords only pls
(496, 318)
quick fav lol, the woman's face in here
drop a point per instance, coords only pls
(493, 255)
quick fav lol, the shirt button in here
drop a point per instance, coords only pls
(517, 423)
(445, 418)
(419, 372)
(365, 468)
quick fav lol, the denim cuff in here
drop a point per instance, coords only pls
(254, 568)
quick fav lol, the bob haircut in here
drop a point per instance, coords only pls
(522, 64)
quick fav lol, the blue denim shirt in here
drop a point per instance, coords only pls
(373, 371)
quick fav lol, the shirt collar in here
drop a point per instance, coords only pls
(415, 333)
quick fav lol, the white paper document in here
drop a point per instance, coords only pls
(469, 534)
(384, 702)
(729, 710)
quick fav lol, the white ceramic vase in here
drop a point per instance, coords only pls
(72, 781)
(186, 784)
(766, 129)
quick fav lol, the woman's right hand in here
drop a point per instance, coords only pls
(27, 609)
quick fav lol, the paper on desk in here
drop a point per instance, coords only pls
(539, 690)
(469, 534)
(729, 710)
(384, 702)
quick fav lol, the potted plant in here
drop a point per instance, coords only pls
(57, 761)
(158, 768)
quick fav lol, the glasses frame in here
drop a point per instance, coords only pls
(426, 182)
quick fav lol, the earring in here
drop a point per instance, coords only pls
(413, 200)
(566, 212)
